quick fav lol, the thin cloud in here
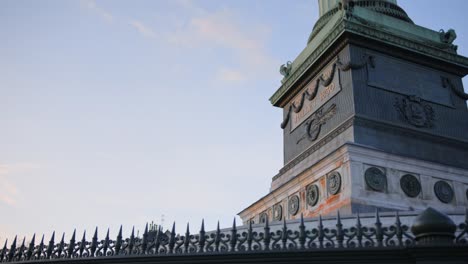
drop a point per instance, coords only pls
(230, 75)
(91, 5)
(245, 42)
(8, 191)
(143, 29)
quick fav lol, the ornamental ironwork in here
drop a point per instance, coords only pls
(375, 179)
(443, 191)
(312, 194)
(334, 183)
(410, 185)
(293, 205)
(277, 212)
(311, 235)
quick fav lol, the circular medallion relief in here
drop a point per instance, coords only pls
(277, 212)
(334, 183)
(443, 191)
(375, 179)
(263, 217)
(410, 185)
(293, 205)
(312, 194)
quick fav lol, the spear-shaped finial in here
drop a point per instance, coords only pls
(2, 253)
(118, 243)
(71, 246)
(31, 248)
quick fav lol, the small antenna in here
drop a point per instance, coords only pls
(162, 221)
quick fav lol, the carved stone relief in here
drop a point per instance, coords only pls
(313, 126)
(312, 194)
(263, 217)
(414, 111)
(334, 183)
(277, 212)
(410, 185)
(293, 205)
(376, 179)
(443, 191)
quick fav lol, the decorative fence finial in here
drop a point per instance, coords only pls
(432, 227)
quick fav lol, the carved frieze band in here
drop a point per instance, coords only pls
(376, 180)
(371, 32)
(340, 129)
(325, 80)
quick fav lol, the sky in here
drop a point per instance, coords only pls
(118, 112)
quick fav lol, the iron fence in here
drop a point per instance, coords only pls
(269, 237)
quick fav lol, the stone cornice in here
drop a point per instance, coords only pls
(363, 120)
(357, 28)
(294, 77)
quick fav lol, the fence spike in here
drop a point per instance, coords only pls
(11, 254)
(21, 249)
(187, 239)
(339, 230)
(51, 246)
(172, 240)
(106, 243)
(398, 229)
(157, 239)
(397, 217)
(40, 250)
(302, 233)
(249, 236)
(202, 237)
(132, 241)
(359, 234)
(267, 237)
(379, 236)
(94, 243)
(321, 233)
(61, 247)
(144, 244)
(233, 240)
(284, 238)
(377, 216)
(2, 254)
(31, 248)
(83, 243)
(71, 246)
(118, 243)
(217, 238)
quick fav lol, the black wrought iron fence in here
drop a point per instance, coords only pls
(276, 237)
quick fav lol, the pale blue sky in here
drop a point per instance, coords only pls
(115, 112)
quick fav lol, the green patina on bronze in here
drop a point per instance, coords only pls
(389, 25)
